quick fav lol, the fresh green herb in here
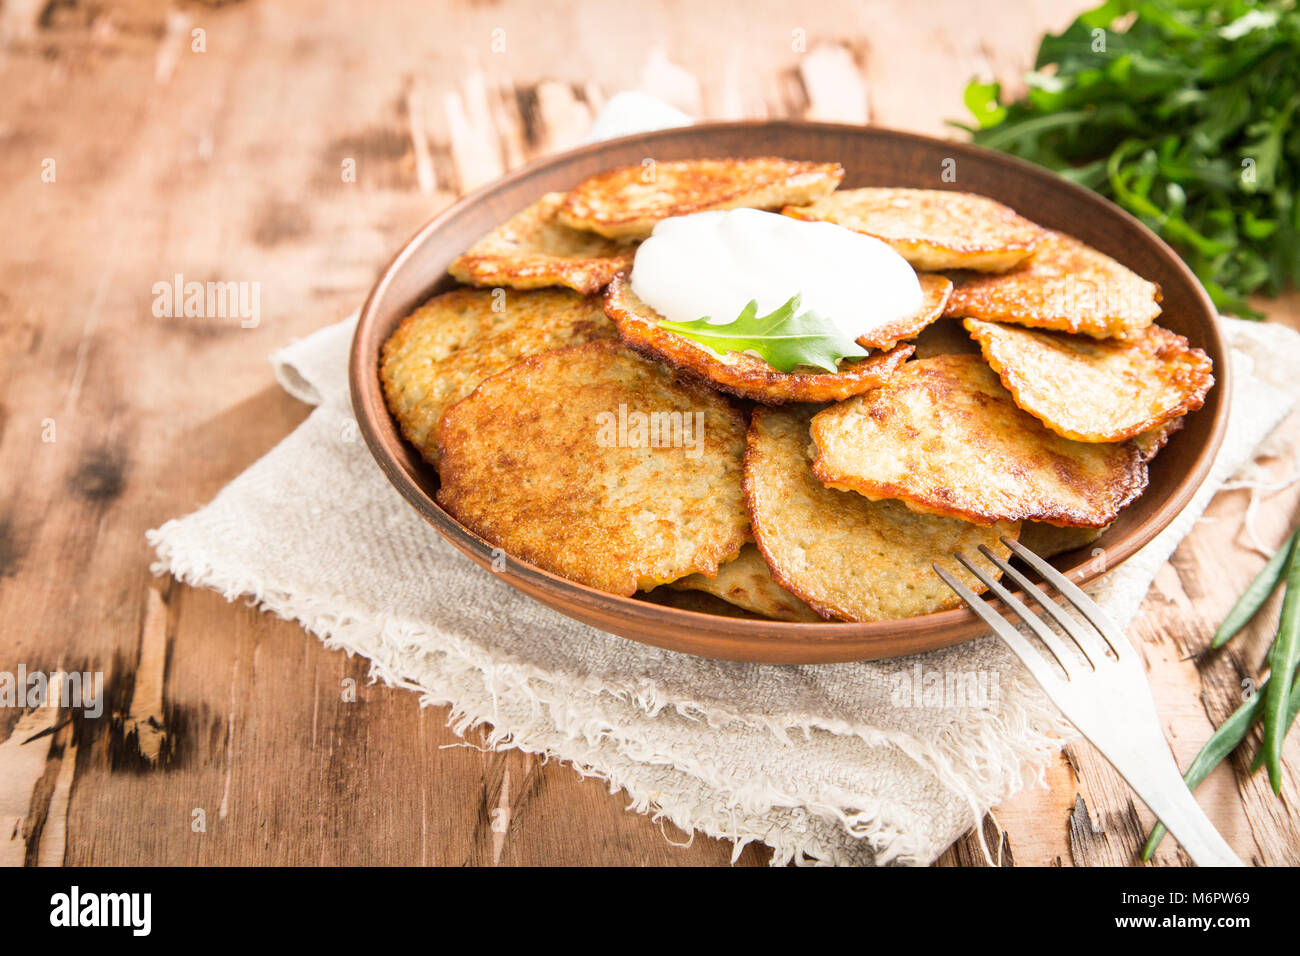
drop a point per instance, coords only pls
(784, 338)
(1278, 700)
(1292, 709)
(1181, 111)
(1221, 743)
(1281, 669)
(1256, 594)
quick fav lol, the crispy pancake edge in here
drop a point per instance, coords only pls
(1016, 297)
(1128, 485)
(482, 266)
(594, 204)
(1193, 376)
(748, 377)
(782, 606)
(935, 290)
(956, 252)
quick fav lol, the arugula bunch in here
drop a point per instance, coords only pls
(1183, 112)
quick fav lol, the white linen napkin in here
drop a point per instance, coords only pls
(836, 764)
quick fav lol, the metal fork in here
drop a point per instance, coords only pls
(1107, 698)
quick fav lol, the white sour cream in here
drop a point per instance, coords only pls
(713, 263)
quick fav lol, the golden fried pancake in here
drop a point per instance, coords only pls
(945, 437)
(747, 583)
(1047, 540)
(626, 203)
(1152, 440)
(847, 557)
(945, 336)
(597, 464)
(1097, 390)
(696, 601)
(1064, 285)
(736, 372)
(443, 349)
(931, 228)
(532, 250)
(935, 290)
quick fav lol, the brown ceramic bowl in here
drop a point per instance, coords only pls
(872, 157)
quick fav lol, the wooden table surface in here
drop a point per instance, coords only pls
(142, 139)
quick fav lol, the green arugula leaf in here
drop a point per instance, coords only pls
(982, 101)
(784, 338)
(1184, 114)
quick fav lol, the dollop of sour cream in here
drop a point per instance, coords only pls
(713, 263)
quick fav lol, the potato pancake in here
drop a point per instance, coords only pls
(740, 373)
(599, 465)
(931, 228)
(935, 290)
(849, 558)
(1047, 540)
(1097, 390)
(1065, 285)
(533, 249)
(944, 337)
(945, 437)
(697, 601)
(443, 349)
(626, 203)
(746, 582)
(1152, 440)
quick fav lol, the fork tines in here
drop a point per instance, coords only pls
(1088, 640)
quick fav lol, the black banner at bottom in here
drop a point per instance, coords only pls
(335, 906)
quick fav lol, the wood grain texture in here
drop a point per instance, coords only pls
(226, 155)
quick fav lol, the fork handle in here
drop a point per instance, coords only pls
(1182, 816)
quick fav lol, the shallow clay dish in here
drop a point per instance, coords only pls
(871, 157)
